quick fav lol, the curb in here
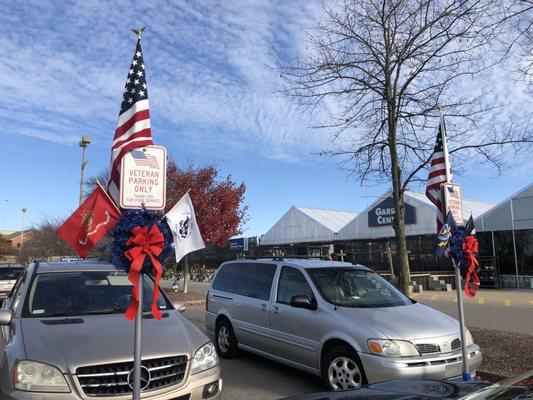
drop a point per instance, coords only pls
(489, 376)
(194, 303)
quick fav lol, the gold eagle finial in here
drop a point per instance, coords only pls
(138, 31)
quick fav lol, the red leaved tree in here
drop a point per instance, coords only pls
(218, 203)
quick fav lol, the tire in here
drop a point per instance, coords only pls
(342, 369)
(225, 340)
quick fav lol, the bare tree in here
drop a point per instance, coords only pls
(5, 247)
(90, 184)
(519, 38)
(389, 65)
(46, 242)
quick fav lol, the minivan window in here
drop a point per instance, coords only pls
(292, 283)
(351, 287)
(246, 279)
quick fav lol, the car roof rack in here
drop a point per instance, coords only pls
(281, 258)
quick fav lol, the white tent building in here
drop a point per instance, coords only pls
(364, 237)
(305, 224)
(505, 235)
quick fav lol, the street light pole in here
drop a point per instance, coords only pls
(24, 209)
(5, 215)
(84, 142)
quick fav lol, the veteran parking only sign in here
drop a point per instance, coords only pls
(143, 178)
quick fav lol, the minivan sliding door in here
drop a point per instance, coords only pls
(251, 304)
(297, 331)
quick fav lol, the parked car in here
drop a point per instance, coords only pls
(337, 320)
(519, 387)
(64, 336)
(8, 277)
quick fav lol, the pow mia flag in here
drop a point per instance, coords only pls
(182, 222)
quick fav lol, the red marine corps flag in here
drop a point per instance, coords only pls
(134, 129)
(96, 216)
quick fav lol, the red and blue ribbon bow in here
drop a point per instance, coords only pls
(470, 248)
(142, 243)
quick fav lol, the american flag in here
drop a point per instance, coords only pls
(133, 130)
(142, 159)
(439, 171)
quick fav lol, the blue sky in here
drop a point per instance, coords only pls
(213, 96)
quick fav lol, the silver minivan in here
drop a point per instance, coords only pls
(337, 320)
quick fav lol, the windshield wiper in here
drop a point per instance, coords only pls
(114, 310)
(88, 312)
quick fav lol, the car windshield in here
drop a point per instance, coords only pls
(352, 287)
(83, 293)
(10, 274)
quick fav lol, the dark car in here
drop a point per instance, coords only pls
(8, 276)
(519, 387)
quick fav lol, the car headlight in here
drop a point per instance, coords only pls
(34, 376)
(392, 348)
(469, 338)
(204, 358)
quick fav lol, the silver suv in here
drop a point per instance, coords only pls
(64, 336)
(333, 319)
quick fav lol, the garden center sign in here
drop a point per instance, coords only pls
(143, 178)
(383, 214)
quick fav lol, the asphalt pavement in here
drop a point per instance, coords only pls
(252, 377)
(249, 376)
(503, 310)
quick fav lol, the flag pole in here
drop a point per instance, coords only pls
(108, 196)
(467, 376)
(181, 198)
(184, 194)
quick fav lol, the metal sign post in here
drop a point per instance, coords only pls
(142, 186)
(452, 199)
(467, 376)
(137, 353)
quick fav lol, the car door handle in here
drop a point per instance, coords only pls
(276, 309)
(263, 307)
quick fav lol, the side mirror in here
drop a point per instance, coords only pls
(5, 317)
(179, 306)
(303, 302)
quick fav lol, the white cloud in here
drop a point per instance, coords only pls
(210, 71)
(210, 66)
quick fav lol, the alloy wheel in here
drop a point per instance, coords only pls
(223, 338)
(344, 374)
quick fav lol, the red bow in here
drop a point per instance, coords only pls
(470, 248)
(144, 243)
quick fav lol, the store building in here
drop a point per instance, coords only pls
(15, 238)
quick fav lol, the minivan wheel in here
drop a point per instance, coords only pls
(343, 369)
(225, 340)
